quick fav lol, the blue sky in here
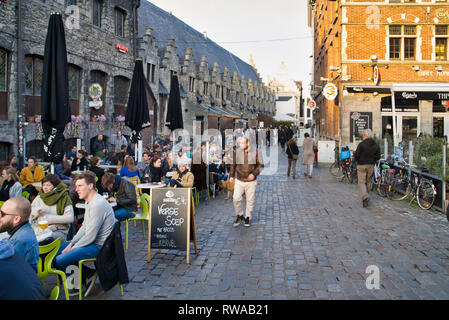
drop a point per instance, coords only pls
(271, 30)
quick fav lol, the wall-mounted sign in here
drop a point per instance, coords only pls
(95, 92)
(442, 14)
(312, 104)
(122, 48)
(330, 91)
(360, 121)
(376, 75)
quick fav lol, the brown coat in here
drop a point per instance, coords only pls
(252, 163)
(187, 179)
(309, 155)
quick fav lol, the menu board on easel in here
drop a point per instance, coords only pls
(171, 220)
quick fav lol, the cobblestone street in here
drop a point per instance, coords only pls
(309, 239)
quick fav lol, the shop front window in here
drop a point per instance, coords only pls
(438, 127)
(387, 126)
(409, 128)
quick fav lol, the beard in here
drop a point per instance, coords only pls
(5, 227)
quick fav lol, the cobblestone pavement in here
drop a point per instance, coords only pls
(309, 239)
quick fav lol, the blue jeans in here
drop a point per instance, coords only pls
(73, 256)
(123, 214)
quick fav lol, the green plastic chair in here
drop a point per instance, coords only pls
(1, 204)
(54, 294)
(196, 195)
(142, 216)
(47, 254)
(80, 267)
(26, 194)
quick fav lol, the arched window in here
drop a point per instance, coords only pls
(74, 89)
(33, 72)
(121, 86)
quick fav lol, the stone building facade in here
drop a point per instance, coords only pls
(369, 48)
(103, 39)
(101, 48)
(218, 90)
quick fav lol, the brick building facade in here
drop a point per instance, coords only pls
(368, 47)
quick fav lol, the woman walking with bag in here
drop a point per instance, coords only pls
(309, 155)
(292, 153)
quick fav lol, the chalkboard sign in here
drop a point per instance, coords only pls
(171, 224)
(360, 121)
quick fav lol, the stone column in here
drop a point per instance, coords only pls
(425, 112)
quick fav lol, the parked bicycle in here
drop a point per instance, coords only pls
(349, 170)
(382, 176)
(406, 184)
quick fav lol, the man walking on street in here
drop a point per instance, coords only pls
(248, 164)
(366, 155)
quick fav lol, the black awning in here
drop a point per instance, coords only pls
(400, 104)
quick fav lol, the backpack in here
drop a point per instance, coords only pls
(345, 152)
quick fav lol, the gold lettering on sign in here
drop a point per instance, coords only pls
(442, 14)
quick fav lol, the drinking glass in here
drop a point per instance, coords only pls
(43, 224)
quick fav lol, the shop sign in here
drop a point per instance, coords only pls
(95, 92)
(330, 91)
(122, 48)
(413, 95)
(376, 75)
(312, 104)
(360, 121)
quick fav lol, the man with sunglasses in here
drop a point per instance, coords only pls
(14, 217)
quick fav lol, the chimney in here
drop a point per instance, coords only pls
(205, 35)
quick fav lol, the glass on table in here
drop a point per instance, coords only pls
(42, 223)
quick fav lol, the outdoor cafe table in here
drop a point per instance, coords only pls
(108, 166)
(37, 184)
(40, 236)
(151, 186)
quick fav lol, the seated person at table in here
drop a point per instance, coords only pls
(53, 203)
(182, 177)
(144, 166)
(12, 161)
(99, 172)
(31, 174)
(98, 223)
(130, 170)
(156, 171)
(63, 170)
(71, 154)
(11, 186)
(19, 281)
(80, 163)
(125, 193)
(14, 217)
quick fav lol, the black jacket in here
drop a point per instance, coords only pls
(126, 194)
(111, 263)
(368, 152)
(291, 149)
(82, 166)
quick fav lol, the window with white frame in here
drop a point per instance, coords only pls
(402, 42)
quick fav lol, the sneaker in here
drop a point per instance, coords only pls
(238, 220)
(365, 202)
(90, 283)
(247, 224)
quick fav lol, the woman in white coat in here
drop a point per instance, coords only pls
(309, 155)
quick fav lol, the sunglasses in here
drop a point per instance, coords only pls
(2, 214)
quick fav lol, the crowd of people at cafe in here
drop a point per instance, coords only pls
(105, 180)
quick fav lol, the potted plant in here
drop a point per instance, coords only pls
(121, 121)
(101, 119)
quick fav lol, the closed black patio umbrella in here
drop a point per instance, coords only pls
(140, 98)
(174, 110)
(55, 106)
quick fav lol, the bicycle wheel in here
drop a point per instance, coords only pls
(397, 189)
(335, 170)
(425, 194)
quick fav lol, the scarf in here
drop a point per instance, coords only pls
(59, 196)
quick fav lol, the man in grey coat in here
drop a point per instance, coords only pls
(118, 141)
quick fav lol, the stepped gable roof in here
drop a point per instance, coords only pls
(166, 26)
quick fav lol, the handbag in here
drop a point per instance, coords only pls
(315, 149)
(294, 156)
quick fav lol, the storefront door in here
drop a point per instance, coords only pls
(441, 125)
(408, 125)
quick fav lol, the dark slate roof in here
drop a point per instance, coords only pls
(166, 26)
